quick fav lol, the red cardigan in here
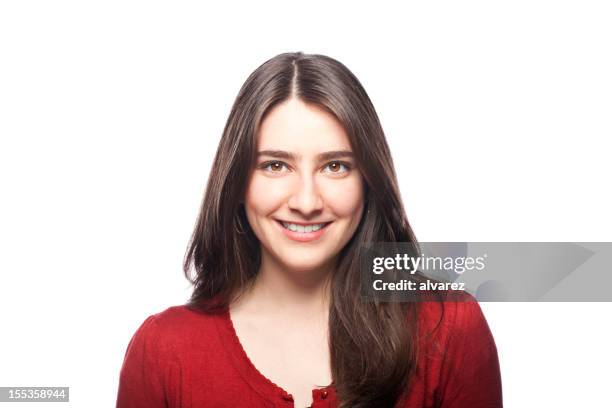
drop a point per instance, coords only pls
(182, 358)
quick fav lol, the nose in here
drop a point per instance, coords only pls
(305, 197)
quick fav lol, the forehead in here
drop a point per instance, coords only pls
(299, 127)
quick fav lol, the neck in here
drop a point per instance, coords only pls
(279, 289)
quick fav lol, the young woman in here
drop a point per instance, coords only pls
(302, 180)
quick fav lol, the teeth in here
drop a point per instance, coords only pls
(302, 228)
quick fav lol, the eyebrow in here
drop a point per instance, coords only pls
(331, 155)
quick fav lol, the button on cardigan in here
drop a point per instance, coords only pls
(180, 358)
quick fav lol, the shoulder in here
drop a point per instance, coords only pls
(178, 326)
(159, 351)
(457, 311)
(179, 317)
(458, 354)
(455, 322)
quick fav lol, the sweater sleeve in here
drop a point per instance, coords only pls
(471, 375)
(140, 380)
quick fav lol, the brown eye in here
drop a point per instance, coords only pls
(274, 166)
(337, 167)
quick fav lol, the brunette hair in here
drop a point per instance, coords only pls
(372, 344)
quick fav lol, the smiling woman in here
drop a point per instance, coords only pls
(302, 182)
(305, 179)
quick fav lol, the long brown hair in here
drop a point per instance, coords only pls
(372, 344)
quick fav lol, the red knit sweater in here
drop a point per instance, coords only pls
(182, 358)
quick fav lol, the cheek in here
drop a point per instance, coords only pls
(264, 195)
(345, 198)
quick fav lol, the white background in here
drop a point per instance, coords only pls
(497, 114)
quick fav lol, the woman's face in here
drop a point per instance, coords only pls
(304, 198)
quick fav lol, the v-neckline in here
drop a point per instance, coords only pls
(255, 378)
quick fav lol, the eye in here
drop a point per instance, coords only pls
(274, 166)
(337, 167)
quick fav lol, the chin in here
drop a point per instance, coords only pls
(303, 260)
(303, 265)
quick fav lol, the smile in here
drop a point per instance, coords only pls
(303, 231)
(303, 228)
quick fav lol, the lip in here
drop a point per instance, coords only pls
(302, 236)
